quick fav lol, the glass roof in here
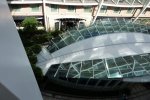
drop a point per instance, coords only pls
(121, 67)
(101, 27)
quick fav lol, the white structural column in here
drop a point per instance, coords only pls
(145, 5)
(99, 7)
(16, 75)
(44, 15)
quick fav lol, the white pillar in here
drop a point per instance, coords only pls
(44, 14)
(99, 7)
(59, 25)
(147, 3)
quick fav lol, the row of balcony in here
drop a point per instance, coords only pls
(122, 2)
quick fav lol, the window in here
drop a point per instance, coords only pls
(103, 9)
(35, 8)
(71, 8)
(130, 10)
(117, 10)
(15, 8)
(54, 8)
(87, 9)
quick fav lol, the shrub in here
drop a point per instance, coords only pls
(32, 59)
(36, 48)
(56, 33)
(30, 24)
(40, 39)
(38, 73)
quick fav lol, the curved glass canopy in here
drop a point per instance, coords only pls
(101, 27)
(121, 67)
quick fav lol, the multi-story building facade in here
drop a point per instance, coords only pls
(57, 13)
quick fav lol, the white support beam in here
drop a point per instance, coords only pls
(44, 14)
(146, 4)
(99, 7)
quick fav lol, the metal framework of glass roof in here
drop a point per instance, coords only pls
(100, 27)
(120, 67)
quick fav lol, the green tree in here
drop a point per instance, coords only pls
(30, 24)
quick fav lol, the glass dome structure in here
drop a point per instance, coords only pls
(101, 27)
(73, 59)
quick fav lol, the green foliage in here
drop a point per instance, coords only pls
(56, 33)
(36, 48)
(40, 39)
(32, 59)
(37, 72)
(30, 24)
(32, 39)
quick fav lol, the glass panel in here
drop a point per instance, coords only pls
(101, 30)
(93, 31)
(72, 73)
(54, 8)
(69, 40)
(71, 8)
(101, 75)
(117, 10)
(120, 61)
(87, 9)
(129, 59)
(85, 33)
(139, 59)
(15, 8)
(86, 64)
(99, 68)
(111, 63)
(76, 35)
(103, 9)
(130, 10)
(86, 74)
(35, 8)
